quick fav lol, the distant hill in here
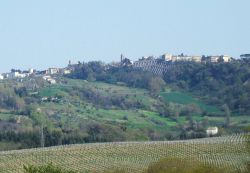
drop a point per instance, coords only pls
(100, 103)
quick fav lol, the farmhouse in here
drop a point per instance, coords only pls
(226, 58)
(66, 71)
(1, 77)
(31, 71)
(222, 58)
(196, 58)
(49, 79)
(213, 59)
(170, 57)
(15, 74)
(212, 131)
(167, 57)
(53, 70)
(52, 81)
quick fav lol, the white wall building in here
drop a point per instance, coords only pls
(167, 57)
(212, 131)
(196, 58)
(226, 58)
(49, 79)
(1, 77)
(14, 75)
(183, 58)
(214, 59)
(67, 72)
(31, 70)
(53, 70)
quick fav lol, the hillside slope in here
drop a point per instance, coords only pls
(80, 111)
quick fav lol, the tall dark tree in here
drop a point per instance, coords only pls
(227, 115)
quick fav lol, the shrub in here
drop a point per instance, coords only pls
(45, 169)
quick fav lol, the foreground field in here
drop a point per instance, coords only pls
(230, 151)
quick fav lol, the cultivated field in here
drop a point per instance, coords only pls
(230, 151)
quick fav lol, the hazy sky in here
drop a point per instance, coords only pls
(48, 33)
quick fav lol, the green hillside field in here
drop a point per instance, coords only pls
(121, 113)
(137, 118)
(186, 98)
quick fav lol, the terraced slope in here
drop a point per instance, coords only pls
(230, 151)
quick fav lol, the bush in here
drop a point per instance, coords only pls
(45, 169)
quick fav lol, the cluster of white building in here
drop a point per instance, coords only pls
(46, 74)
(196, 58)
(17, 74)
(52, 71)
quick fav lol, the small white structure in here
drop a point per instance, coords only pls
(44, 99)
(31, 71)
(52, 81)
(226, 58)
(212, 131)
(1, 77)
(14, 75)
(183, 58)
(214, 59)
(53, 70)
(65, 71)
(49, 79)
(196, 58)
(167, 57)
(144, 57)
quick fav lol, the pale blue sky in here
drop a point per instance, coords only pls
(47, 33)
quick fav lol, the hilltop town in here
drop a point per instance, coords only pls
(154, 64)
(194, 58)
